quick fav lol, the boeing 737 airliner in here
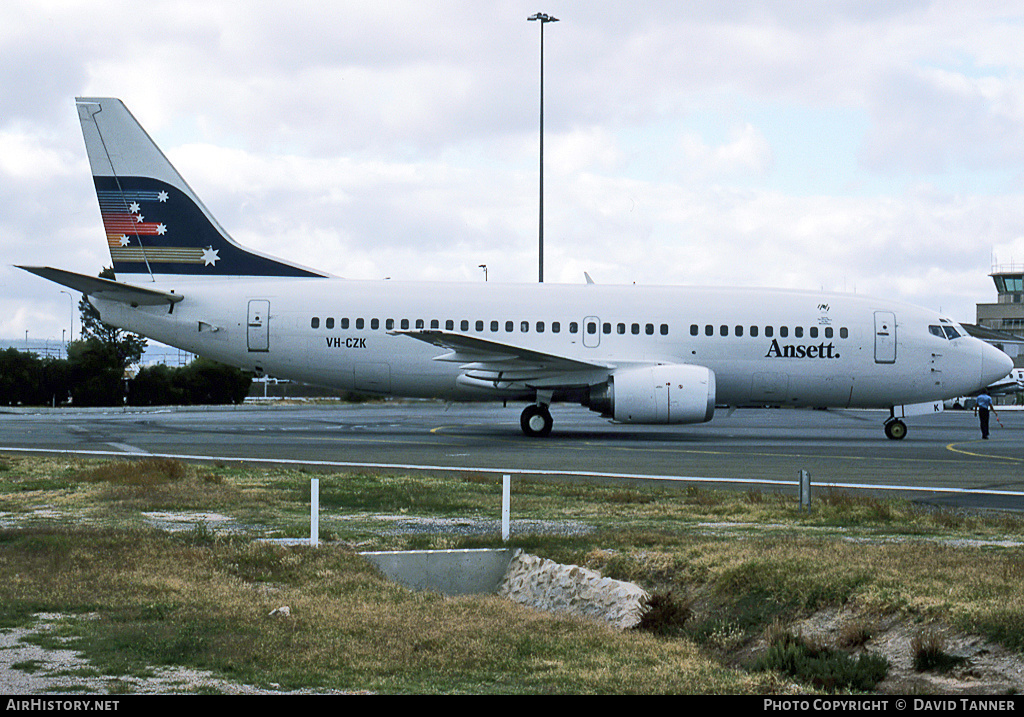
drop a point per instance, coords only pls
(655, 355)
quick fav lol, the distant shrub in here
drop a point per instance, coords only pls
(826, 668)
(929, 649)
(664, 615)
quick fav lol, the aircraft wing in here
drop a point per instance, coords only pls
(501, 365)
(105, 288)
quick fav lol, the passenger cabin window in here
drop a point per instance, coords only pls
(314, 323)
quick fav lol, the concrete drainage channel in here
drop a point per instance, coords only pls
(527, 579)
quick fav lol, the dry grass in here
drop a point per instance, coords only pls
(74, 539)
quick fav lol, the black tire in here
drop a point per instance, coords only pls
(536, 421)
(895, 430)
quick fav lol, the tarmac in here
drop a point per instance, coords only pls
(942, 460)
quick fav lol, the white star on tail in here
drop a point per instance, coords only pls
(210, 256)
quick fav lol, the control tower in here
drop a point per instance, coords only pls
(1007, 314)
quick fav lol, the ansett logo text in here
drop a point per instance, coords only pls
(819, 351)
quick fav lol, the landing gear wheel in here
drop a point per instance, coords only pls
(895, 430)
(536, 421)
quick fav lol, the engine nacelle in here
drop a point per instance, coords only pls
(671, 393)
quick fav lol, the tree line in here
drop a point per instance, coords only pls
(95, 373)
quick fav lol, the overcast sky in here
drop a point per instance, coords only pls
(874, 147)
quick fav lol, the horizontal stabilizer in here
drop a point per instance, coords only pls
(105, 288)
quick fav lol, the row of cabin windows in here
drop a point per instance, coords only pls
(540, 327)
(591, 327)
(769, 331)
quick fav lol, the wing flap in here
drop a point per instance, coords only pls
(505, 366)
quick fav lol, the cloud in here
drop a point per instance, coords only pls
(868, 146)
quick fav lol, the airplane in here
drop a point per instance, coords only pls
(1010, 384)
(635, 354)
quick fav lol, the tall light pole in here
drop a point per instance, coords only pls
(543, 19)
(71, 309)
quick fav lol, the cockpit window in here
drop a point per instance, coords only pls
(951, 333)
(936, 331)
(944, 332)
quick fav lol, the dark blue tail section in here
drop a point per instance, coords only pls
(154, 228)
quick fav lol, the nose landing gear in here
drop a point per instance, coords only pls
(895, 429)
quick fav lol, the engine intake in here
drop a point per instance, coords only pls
(669, 393)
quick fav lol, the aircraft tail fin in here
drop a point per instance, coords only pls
(156, 226)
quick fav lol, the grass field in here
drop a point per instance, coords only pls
(89, 540)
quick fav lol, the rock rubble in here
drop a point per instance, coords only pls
(546, 585)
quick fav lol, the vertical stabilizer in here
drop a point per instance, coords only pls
(156, 227)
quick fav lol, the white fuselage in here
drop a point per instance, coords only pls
(764, 347)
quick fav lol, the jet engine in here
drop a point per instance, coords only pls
(669, 393)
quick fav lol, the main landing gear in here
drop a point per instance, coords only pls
(536, 420)
(895, 429)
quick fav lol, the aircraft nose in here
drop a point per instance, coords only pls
(994, 364)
